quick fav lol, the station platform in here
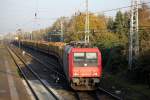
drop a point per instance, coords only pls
(12, 86)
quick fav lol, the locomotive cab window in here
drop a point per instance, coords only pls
(85, 59)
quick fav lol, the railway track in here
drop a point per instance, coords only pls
(96, 95)
(47, 66)
(86, 95)
(47, 62)
(115, 97)
(46, 58)
(39, 89)
(61, 88)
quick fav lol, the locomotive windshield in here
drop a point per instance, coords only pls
(85, 59)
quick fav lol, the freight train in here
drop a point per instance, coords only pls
(81, 65)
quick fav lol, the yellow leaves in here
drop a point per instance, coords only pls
(77, 23)
(97, 22)
(144, 16)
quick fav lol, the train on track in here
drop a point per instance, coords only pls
(81, 65)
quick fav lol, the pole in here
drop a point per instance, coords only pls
(87, 24)
(19, 37)
(133, 36)
(62, 33)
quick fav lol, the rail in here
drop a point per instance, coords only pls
(33, 73)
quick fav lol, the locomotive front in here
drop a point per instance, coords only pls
(85, 68)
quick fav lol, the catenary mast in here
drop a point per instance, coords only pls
(133, 36)
(87, 24)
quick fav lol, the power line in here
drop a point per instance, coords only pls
(57, 18)
(121, 8)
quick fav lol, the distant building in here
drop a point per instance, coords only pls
(54, 36)
(1, 37)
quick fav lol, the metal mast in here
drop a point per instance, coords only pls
(133, 36)
(34, 36)
(19, 31)
(87, 24)
(62, 33)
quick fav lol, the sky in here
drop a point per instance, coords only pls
(15, 14)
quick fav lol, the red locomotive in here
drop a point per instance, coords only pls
(82, 65)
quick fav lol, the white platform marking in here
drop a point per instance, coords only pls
(12, 88)
(28, 90)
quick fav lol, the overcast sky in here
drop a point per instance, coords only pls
(20, 13)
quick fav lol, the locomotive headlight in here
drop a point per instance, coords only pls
(85, 64)
(96, 80)
(95, 74)
(76, 80)
(16, 38)
(76, 74)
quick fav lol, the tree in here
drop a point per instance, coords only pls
(144, 31)
(110, 24)
(126, 23)
(118, 24)
(76, 26)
